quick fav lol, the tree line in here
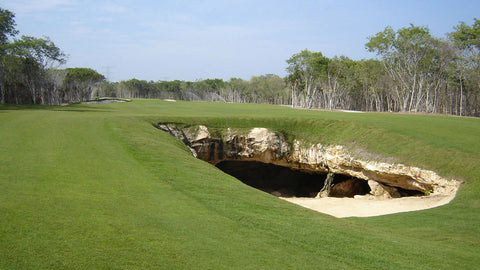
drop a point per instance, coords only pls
(29, 73)
(413, 72)
(268, 88)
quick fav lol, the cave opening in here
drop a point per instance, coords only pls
(250, 157)
(286, 182)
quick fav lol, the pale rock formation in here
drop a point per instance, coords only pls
(382, 191)
(202, 133)
(261, 144)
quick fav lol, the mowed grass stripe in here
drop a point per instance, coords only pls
(84, 194)
(196, 190)
(99, 187)
(89, 204)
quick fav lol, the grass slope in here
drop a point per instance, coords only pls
(97, 186)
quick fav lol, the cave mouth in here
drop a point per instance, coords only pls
(285, 182)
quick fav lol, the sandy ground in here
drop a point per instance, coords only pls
(369, 206)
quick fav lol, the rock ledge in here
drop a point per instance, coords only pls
(263, 145)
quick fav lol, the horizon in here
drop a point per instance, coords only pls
(195, 40)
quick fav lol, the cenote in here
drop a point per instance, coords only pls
(285, 182)
(262, 159)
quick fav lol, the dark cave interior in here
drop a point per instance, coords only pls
(285, 182)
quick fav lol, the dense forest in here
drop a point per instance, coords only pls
(413, 72)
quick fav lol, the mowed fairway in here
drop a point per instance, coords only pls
(99, 187)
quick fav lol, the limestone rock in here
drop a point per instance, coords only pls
(174, 131)
(383, 191)
(263, 145)
(348, 188)
(202, 133)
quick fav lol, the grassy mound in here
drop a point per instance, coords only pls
(98, 186)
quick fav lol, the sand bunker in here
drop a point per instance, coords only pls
(369, 206)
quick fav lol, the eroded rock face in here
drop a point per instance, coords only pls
(349, 188)
(263, 145)
(379, 190)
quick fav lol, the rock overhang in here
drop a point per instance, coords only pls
(266, 146)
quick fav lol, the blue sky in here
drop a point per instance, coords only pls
(189, 40)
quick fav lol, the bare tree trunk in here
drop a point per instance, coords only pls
(294, 95)
(461, 96)
(2, 92)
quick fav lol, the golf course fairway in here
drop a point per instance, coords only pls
(98, 186)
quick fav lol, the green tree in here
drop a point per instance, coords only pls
(35, 54)
(408, 57)
(236, 90)
(371, 91)
(7, 30)
(23, 78)
(41, 50)
(304, 70)
(80, 75)
(466, 36)
(466, 69)
(268, 88)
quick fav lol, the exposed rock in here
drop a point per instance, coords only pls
(327, 187)
(263, 145)
(202, 133)
(349, 188)
(382, 191)
(174, 131)
(281, 193)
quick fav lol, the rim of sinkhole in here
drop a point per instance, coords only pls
(326, 179)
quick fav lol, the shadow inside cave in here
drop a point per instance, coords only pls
(285, 182)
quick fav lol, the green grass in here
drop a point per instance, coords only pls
(98, 187)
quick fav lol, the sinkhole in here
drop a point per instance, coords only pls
(300, 173)
(285, 182)
(263, 159)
